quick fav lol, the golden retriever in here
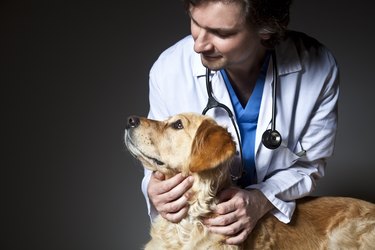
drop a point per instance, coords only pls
(196, 145)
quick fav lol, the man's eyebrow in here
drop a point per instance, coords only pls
(214, 30)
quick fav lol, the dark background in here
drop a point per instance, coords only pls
(72, 71)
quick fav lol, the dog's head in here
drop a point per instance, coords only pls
(185, 143)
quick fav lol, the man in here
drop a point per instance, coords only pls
(234, 39)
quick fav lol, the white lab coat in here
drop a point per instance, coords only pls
(306, 113)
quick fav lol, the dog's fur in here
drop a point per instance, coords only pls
(195, 145)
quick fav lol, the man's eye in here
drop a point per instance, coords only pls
(178, 124)
(223, 34)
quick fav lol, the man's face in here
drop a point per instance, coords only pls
(222, 36)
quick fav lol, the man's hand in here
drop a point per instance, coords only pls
(237, 213)
(170, 196)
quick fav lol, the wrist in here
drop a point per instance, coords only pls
(264, 204)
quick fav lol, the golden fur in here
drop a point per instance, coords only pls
(195, 145)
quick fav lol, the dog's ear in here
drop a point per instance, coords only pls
(212, 145)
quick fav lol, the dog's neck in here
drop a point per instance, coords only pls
(207, 184)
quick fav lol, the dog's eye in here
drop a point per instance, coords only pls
(178, 124)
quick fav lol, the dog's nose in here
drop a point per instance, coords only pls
(133, 122)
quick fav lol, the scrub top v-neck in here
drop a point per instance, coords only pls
(247, 119)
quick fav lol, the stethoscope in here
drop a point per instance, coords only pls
(271, 138)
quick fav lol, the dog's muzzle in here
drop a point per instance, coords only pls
(132, 123)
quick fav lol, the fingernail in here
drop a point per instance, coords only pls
(191, 179)
(158, 175)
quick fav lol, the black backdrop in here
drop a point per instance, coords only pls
(72, 71)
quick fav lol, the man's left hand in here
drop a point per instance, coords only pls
(237, 213)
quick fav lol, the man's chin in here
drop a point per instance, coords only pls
(212, 63)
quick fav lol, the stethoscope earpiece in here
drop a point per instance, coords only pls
(271, 139)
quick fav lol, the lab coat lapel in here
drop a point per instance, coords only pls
(288, 62)
(264, 123)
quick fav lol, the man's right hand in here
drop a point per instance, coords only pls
(170, 196)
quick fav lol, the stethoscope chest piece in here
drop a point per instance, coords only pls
(271, 139)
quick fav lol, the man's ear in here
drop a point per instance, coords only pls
(264, 36)
(212, 145)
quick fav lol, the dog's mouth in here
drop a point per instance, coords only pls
(138, 154)
(158, 162)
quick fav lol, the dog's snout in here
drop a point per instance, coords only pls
(133, 122)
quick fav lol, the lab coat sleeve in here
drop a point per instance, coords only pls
(285, 184)
(150, 207)
(283, 187)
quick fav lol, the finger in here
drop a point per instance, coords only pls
(221, 220)
(175, 205)
(228, 230)
(176, 217)
(159, 175)
(178, 190)
(238, 239)
(167, 185)
(225, 207)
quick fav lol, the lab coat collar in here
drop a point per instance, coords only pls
(287, 57)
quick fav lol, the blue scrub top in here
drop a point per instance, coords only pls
(247, 120)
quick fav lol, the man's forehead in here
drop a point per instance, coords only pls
(218, 16)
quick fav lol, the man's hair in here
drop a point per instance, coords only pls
(268, 16)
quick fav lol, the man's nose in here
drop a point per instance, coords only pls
(202, 43)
